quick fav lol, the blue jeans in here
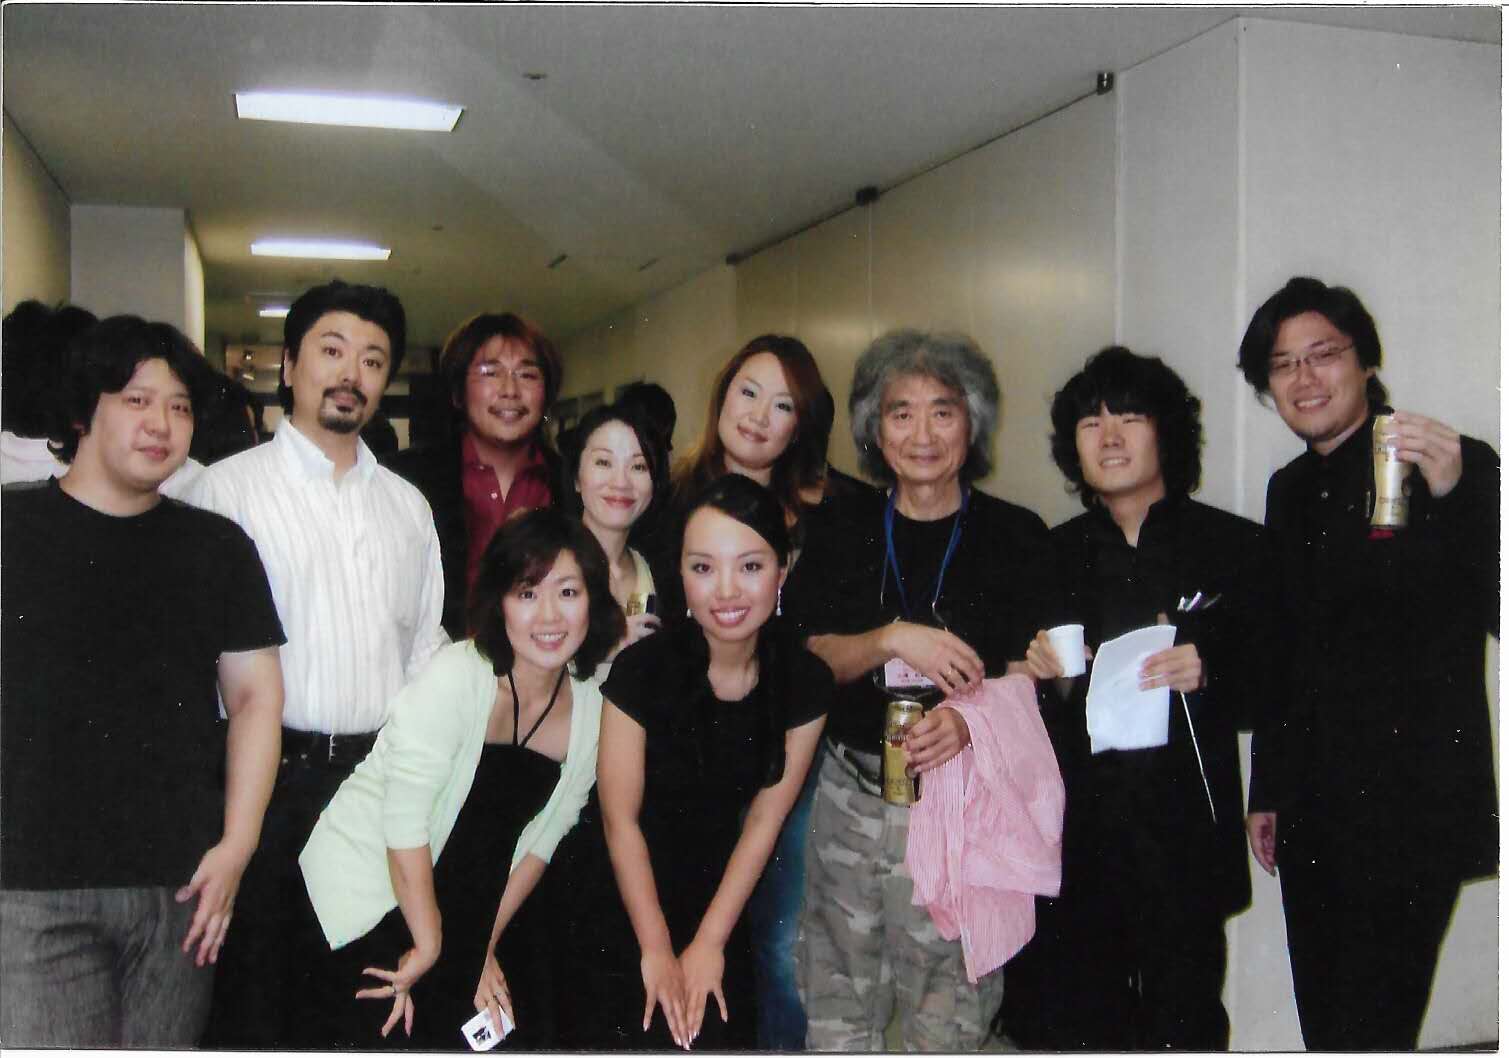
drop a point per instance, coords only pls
(99, 968)
(775, 909)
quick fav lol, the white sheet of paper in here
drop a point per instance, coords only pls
(480, 1034)
(1118, 713)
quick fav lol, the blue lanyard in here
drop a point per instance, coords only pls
(894, 567)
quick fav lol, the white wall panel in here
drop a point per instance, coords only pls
(1042, 285)
(681, 338)
(130, 259)
(833, 312)
(1179, 231)
(766, 299)
(921, 252)
(1373, 161)
(1266, 149)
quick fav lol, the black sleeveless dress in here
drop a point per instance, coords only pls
(511, 786)
(705, 760)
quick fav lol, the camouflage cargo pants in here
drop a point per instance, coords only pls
(863, 950)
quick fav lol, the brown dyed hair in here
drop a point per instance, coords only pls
(801, 466)
(461, 349)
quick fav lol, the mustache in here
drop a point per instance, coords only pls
(350, 391)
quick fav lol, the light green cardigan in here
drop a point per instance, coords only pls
(410, 789)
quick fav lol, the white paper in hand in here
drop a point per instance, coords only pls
(1118, 713)
(480, 1034)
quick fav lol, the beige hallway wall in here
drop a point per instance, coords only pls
(36, 226)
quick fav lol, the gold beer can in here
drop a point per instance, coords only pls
(1390, 474)
(898, 787)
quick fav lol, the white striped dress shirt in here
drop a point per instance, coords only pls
(354, 568)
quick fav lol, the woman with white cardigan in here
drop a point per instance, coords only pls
(482, 768)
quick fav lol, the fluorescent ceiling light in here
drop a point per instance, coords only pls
(316, 108)
(321, 248)
(273, 312)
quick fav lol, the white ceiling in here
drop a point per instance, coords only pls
(674, 134)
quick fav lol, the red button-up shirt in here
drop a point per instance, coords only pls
(486, 508)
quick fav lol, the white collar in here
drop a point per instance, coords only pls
(303, 456)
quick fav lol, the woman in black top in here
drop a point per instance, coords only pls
(708, 731)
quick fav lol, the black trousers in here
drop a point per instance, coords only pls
(323, 1012)
(1131, 956)
(1363, 944)
(259, 968)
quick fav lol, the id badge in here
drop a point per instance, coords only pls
(898, 675)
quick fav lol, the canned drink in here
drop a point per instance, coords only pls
(898, 787)
(1390, 474)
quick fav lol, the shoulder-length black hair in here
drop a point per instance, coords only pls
(36, 339)
(573, 444)
(521, 554)
(1302, 294)
(1143, 385)
(102, 360)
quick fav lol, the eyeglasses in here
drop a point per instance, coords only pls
(492, 371)
(1315, 359)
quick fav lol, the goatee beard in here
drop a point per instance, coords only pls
(339, 424)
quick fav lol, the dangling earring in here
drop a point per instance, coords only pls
(778, 602)
(688, 611)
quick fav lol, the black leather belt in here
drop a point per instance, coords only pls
(319, 749)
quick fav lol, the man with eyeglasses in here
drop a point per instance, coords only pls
(351, 554)
(500, 375)
(1372, 791)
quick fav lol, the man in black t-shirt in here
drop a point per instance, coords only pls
(1372, 791)
(129, 811)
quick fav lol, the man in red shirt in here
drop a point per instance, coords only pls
(501, 375)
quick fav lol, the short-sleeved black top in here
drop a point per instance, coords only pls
(997, 591)
(698, 746)
(705, 760)
(112, 747)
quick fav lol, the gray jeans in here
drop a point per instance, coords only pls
(99, 968)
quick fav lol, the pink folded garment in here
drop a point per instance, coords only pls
(988, 832)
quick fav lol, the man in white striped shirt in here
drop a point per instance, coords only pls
(352, 557)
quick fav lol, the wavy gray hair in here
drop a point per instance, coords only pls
(956, 361)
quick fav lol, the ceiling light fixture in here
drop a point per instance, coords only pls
(373, 112)
(320, 248)
(271, 312)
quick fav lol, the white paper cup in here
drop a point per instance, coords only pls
(1069, 644)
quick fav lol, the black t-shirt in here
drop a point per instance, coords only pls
(998, 590)
(695, 740)
(111, 742)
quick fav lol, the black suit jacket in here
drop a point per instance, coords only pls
(1154, 799)
(435, 470)
(1383, 740)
